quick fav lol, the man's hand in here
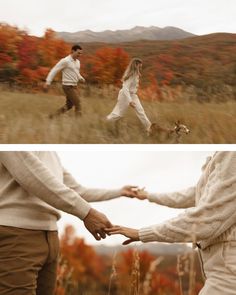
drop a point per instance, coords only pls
(82, 80)
(130, 233)
(134, 192)
(96, 222)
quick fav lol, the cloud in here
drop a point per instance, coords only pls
(196, 16)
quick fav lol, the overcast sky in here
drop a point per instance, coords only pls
(195, 16)
(157, 171)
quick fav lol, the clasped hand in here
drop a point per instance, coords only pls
(100, 226)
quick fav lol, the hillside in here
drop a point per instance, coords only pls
(199, 68)
(201, 61)
(134, 34)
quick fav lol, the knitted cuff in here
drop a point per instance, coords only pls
(146, 235)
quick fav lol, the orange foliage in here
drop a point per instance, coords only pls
(27, 59)
(83, 271)
(82, 258)
(191, 62)
(108, 65)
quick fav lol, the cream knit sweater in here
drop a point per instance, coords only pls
(130, 87)
(212, 216)
(34, 186)
(70, 71)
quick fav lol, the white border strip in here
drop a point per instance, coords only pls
(118, 147)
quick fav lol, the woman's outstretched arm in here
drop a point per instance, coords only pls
(212, 217)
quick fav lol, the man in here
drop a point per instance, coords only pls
(33, 187)
(70, 67)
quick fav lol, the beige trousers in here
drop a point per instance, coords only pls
(28, 261)
(123, 104)
(219, 266)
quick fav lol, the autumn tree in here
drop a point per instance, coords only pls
(109, 65)
(87, 267)
(10, 37)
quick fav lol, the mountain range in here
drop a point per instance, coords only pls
(134, 34)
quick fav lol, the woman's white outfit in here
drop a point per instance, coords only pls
(128, 94)
(210, 220)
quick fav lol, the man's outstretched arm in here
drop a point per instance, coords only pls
(97, 194)
(34, 177)
(55, 70)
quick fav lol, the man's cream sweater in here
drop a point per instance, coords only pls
(70, 71)
(212, 216)
(34, 186)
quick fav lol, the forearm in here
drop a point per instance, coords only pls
(54, 71)
(215, 211)
(208, 220)
(96, 195)
(51, 75)
(182, 199)
(90, 194)
(36, 179)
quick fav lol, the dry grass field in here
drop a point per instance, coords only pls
(24, 119)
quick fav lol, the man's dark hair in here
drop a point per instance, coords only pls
(76, 47)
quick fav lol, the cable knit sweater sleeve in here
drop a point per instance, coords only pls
(89, 194)
(37, 179)
(55, 70)
(182, 199)
(214, 214)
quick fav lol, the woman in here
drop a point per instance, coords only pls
(128, 97)
(210, 222)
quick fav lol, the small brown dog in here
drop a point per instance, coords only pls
(178, 130)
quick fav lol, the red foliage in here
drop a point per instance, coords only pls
(108, 65)
(84, 260)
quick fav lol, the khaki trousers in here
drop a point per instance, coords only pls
(72, 100)
(28, 261)
(219, 266)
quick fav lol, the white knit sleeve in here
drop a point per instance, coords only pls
(214, 214)
(90, 194)
(56, 69)
(36, 179)
(182, 199)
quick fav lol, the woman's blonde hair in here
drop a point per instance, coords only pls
(132, 69)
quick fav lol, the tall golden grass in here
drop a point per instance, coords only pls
(24, 119)
(185, 268)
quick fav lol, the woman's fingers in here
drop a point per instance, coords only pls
(115, 230)
(127, 242)
(131, 234)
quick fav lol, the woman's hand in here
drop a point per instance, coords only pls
(130, 233)
(134, 192)
(132, 104)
